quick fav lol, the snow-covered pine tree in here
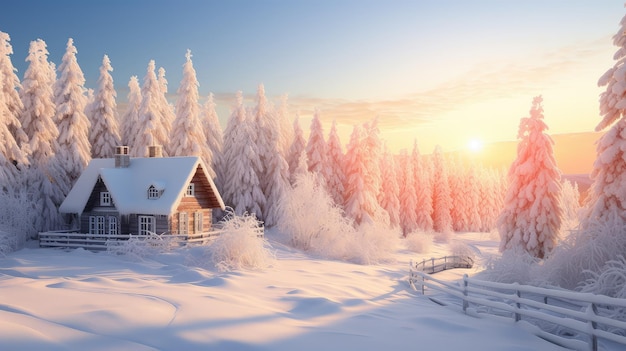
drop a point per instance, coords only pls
(390, 189)
(373, 145)
(8, 172)
(316, 147)
(14, 149)
(570, 200)
(488, 209)
(167, 110)
(151, 130)
(472, 192)
(335, 178)
(274, 176)
(213, 134)
(459, 210)
(187, 137)
(296, 150)
(360, 202)
(408, 195)
(606, 196)
(74, 151)
(422, 185)
(45, 178)
(284, 123)
(130, 119)
(532, 214)
(241, 187)
(442, 201)
(104, 134)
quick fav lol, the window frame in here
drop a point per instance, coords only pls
(146, 225)
(153, 193)
(197, 222)
(113, 225)
(105, 198)
(183, 223)
(191, 190)
(96, 225)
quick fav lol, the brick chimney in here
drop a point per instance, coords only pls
(155, 151)
(122, 157)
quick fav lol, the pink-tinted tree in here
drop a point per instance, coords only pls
(532, 214)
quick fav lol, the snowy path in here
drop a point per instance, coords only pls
(56, 300)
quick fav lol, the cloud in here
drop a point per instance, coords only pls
(488, 81)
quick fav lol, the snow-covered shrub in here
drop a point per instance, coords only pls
(312, 222)
(310, 217)
(514, 266)
(17, 213)
(586, 251)
(461, 249)
(610, 281)
(374, 242)
(138, 248)
(239, 246)
(419, 242)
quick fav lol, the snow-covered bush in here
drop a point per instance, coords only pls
(374, 242)
(312, 222)
(461, 249)
(310, 217)
(514, 266)
(239, 246)
(419, 242)
(17, 213)
(586, 251)
(138, 248)
(610, 281)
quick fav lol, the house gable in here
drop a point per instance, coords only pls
(94, 201)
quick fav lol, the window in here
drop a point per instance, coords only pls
(105, 198)
(190, 190)
(183, 223)
(96, 224)
(113, 230)
(197, 221)
(147, 225)
(153, 193)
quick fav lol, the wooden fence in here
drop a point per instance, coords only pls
(564, 317)
(435, 265)
(74, 239)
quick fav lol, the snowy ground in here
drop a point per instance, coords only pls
(68, 300)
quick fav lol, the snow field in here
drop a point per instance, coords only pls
(60, 300)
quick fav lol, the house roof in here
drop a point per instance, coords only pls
(128, 186)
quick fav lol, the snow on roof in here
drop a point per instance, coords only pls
(129, 186)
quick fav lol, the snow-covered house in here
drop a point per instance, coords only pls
(124, 195)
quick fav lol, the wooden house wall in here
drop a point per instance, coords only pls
(162, 223)
(94, 198)
(84, 219)
(203, 200)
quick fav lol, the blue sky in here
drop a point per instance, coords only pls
(442, 71)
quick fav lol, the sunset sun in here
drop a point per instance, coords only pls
(475, 145)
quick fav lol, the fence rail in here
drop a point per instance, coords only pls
(563, 317)
(435, 265)
(75, 239)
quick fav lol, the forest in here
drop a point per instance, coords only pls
(310, 188)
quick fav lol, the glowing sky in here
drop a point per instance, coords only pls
(442, 72)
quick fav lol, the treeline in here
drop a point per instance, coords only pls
(52, 126)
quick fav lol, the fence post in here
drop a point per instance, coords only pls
(432, 261)
(423, 284)
(517, 305)
(465, 302)
(592, 312)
